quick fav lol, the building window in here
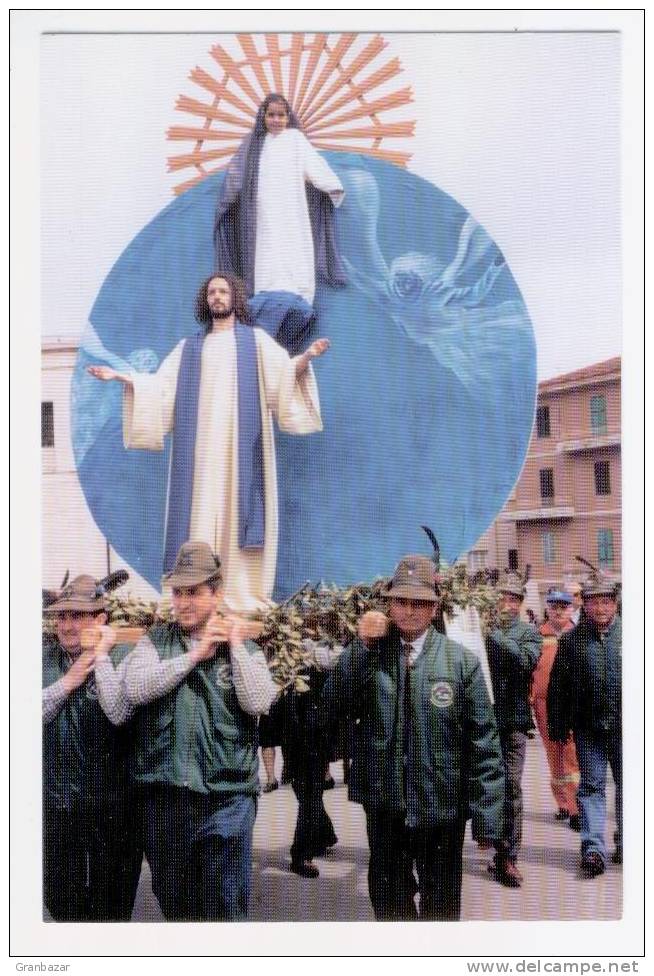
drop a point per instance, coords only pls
(602, 478)
(549, 555)
(598, 414)
(543, 421)
(513, 559)
(605, 547)
(47, 423)
(476, 560)
(547, 483)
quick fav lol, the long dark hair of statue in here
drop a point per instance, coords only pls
(239, 300)
(235, 229)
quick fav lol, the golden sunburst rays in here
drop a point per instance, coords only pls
(340, 87)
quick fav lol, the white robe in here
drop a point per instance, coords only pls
(284, 259)
(148, 414)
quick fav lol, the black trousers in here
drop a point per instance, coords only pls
(91, 863)
(314, 831)
(514, 750)
(436, 852)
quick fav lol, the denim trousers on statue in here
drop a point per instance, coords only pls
(595, 752)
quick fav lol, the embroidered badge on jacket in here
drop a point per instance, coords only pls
(442, 694)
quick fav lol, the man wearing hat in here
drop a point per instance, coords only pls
(574, 589)
(91, 846)
(202, 686)
(585, 695)
(561, 756)
(513, 648)
(425, 749)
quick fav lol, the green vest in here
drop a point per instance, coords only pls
(455, 765)
(85, 757)
(197, 736)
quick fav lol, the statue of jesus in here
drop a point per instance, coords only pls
(217, 391)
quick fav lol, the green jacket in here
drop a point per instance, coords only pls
(455, 770)
(85, 757)
(513, 653)
(197, 736)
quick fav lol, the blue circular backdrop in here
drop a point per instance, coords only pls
(427, 392)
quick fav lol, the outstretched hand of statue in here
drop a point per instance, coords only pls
(106, 373)
(317, 348)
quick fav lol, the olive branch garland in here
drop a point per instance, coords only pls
(325, 613)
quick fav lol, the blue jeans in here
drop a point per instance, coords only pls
(199, 849)
(596, 751)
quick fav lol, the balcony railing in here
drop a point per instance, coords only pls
(585, 440)
(546, 512)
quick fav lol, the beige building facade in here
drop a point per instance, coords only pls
(71, 541)
(568, 499)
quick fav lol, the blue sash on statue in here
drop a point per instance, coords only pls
(251, 510)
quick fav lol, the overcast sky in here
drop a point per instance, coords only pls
(522, 129)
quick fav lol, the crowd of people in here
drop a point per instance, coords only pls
(152, 750)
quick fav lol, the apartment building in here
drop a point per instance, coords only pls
(568, 499)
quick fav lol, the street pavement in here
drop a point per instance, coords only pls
(549, 861)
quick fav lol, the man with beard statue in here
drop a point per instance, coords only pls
(217, 391)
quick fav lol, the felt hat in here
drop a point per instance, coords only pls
(415, 578)
(598, 584)
(513, 585)
(195, 563)
(83, 595)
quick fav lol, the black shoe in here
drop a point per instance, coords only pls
(616, 857)
(561, 815)
(271, 787)
(592, 864)
(305, 869)
(506, 872)
(575, 822)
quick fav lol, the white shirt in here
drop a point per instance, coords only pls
(417, 646)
